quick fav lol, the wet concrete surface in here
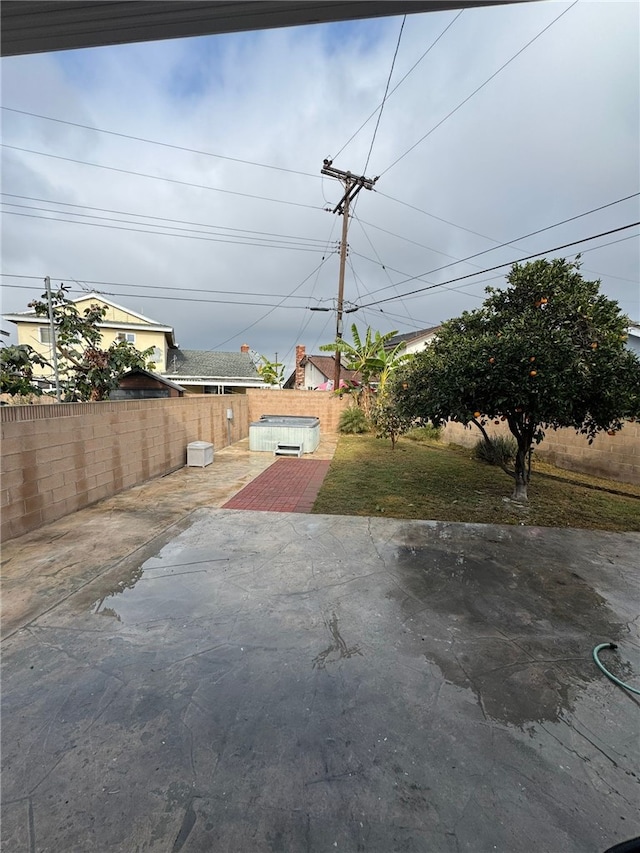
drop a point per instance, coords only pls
(277, 682)
(41, 568)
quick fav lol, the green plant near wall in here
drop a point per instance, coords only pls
(353, 421)
(500, 450)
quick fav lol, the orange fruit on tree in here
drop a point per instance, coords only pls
(476, 414)
(533, 373)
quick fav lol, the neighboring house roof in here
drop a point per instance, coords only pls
(326, 365)
(409, 337)
(139, 371)
(145, 323)
(633, 338)
(204, 364)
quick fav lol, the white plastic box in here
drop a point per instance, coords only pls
(199, 454)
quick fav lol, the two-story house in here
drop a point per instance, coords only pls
(197, 371)
(118, 324)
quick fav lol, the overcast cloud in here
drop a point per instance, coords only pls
(555, 134)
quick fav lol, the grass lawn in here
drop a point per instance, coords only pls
(442, 482)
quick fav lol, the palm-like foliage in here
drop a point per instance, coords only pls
(370, 358)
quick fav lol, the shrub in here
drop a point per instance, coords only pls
(428, 432)
(353, 420)
(501, 451)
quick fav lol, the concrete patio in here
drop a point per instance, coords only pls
(180, 677)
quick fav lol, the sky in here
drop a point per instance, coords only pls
(217, 221)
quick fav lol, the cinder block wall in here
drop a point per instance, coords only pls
(59, 458)
(318, 404)
(613, 456)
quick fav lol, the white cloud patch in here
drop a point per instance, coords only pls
(554, 134)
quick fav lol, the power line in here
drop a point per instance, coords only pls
(290, 296)
(384, 98)
(406, 239)
(463, 289)
(402, 272)
(264, 317)
(157, 142)
(271, 305)
(500, 266)
(398, 84)
(517, 239)
(149, 216)
(481, 86)
(155, 287)
(432, 215)
(470, 231)
(237, 242)
(307, 320)
(302, 241)
(159, 177)
(375, 252)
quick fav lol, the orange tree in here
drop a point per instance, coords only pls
(548, 351)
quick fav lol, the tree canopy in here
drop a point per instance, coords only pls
(87, 371)
(16, 369)
(547, 351)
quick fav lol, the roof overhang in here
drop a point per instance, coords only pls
(235, 381)
(41, 26)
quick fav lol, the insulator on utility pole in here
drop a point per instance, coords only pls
(352, 186)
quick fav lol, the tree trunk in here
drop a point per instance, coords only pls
(520, 489)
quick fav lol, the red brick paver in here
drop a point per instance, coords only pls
(289, 485)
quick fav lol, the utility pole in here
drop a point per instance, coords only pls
(352, 186)
(47, 284)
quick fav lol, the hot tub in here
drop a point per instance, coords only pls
(272, 430)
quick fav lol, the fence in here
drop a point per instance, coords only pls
(616, 457)
(59, 458)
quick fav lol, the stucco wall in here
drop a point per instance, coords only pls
(59, 458)
(613, 456)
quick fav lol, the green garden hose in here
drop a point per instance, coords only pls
(606, 671)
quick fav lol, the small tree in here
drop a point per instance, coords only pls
(388, 420)
(16, 366)
(546, 352)
(86, 370)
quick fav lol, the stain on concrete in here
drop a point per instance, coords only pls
(196, 721)
(337, 649)
(512, 624)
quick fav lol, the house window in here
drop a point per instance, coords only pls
(127, 337)
(45, 334)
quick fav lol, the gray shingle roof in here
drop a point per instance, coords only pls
(214, 365)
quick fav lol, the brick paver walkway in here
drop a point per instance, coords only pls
(289, 485)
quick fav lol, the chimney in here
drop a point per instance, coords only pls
(300, 354)
(244, 348)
